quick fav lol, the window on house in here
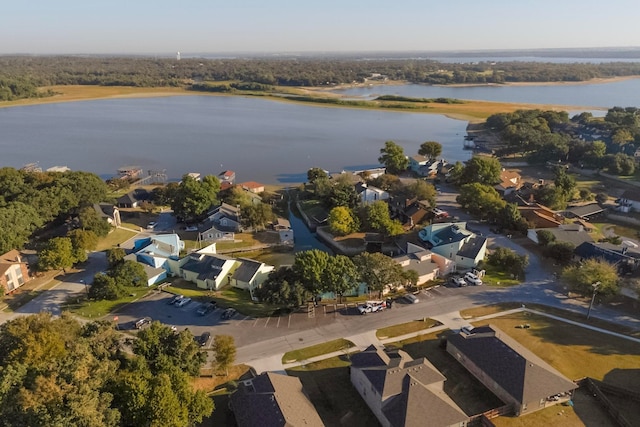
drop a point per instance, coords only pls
(19, 278)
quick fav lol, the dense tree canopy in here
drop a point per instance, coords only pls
(581, 278)
(57, 372)
(378, 271)
(481, 200)
(193, 198)
(430, 149)
(483, 170)
(342, 221)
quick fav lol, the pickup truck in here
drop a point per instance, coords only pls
(372, 307)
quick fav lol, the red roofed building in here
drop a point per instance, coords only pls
(252, 186)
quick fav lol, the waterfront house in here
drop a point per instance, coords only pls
(369, 194)
(513, 373)
(14, 271)
(133, 198)
(227, 176)
(273, 400)
(403, 392)
(252, 186)
(224, 218)
(454, 242)
(417, 161)
(159, 254)
(510, 181)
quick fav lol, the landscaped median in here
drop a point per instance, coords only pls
(317, 350)
(406, 328)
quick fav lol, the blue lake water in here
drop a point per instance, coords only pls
(625, 93)
(261, 140)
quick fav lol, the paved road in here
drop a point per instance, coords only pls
(70, 285)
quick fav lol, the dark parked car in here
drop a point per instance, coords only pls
(204, 339)
(143, 322)
(206, 308)
(175, 299)
(229, 313)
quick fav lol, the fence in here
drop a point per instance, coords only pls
(597, 387)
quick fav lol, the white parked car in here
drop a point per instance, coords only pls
(458, 281)
(151, 225)
(183, 302)
(372, 307)
(473, 279)
(191, 228)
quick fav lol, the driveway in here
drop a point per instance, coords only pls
(70, 285)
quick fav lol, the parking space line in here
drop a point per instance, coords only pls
(267, 322)
(278, 324)
(289, 323)
(245, 318)
(256, 322)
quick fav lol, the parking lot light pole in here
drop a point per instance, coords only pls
(593, 297)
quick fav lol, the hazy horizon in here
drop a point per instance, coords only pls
(287, 27)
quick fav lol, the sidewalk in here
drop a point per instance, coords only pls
(450, 321)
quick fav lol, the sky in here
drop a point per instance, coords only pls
(297, 26)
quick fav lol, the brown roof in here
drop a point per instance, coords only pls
(273, 400)
(251, 185)
(514, 368)
(8, 259)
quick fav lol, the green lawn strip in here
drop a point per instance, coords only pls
(328, 385)
(406, 328)
(222, 246)
(501, 279)
(313, 208)
(316, 350)
(94, 309)
(569, 315)
(114, 238)
(575, 351)
(188, 289)
(488, 309)
(241, 301)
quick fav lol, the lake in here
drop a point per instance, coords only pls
(624, 93)
(261, 140)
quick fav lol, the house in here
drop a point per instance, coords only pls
(14, 272)
(283, 227)
(224, 217)
(208, 232)
(454, 242)
(510, 181)
(417, 161)
(208, 271)
(252, 186)
(618, 255)
(572, 233)
(513, 373)
(108, 212)
(585, 212)
(401, 391)
(368, 194)
(273, 400)
(427, 264)
(159, 252)
(227, 176)
(416, 213)
(629, 200)
(133, 199)
(250, 274)
(540, 216)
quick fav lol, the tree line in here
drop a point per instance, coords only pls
(31, 200)
(29, 72)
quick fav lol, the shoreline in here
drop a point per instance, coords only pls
(472, 111)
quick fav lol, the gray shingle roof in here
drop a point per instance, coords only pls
(518, 371)
(207, 266)
(585, 210)
(247, 270)
(472, 247)
(273, 400)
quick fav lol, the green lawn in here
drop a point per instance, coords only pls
(241, 301)
(494, 277)
(317, 350)
(313, 209)
(117, 236)
(406, 328)
(328, 385)
(96, 309)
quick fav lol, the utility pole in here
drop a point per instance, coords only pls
(593, 297)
